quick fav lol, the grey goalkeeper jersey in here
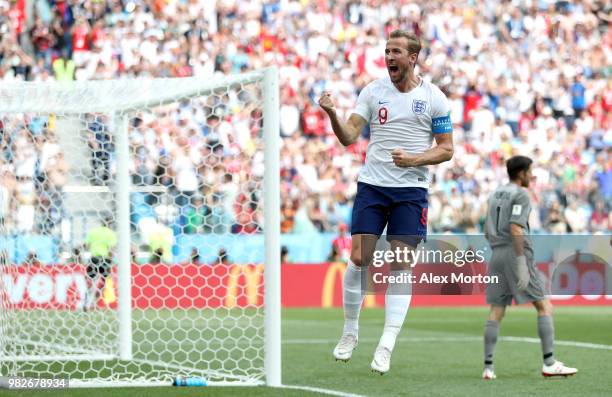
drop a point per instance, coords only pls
(508, 204)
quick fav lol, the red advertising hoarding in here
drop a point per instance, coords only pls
(196, 286)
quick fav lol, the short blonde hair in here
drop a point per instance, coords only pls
(414, 44)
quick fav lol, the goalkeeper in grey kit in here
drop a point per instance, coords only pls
(512, 261)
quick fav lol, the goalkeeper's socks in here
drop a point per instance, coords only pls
(546, 330)
(352, 296)
(397, 301)
(490, 339)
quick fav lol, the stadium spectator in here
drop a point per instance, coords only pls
(600, 219)
(195, 217)
(285, 255)
(194, 257)
(577, 217)
(555, 221)
(101, 242)
(222, 257)
(341, 245)
(160, 239)
(64, 68)
(101, 146)
(31, 259)
(287, 216)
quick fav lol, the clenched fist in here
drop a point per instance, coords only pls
(403, 159)
(326, 102)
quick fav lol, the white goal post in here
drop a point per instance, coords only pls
(185, 173)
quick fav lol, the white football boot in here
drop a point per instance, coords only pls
(344, 349)
(488, 374)
(382, 360)
(557, 369)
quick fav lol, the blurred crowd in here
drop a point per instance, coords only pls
(33, 173)
(522, 77)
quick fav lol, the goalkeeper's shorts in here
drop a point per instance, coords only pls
(502, 292)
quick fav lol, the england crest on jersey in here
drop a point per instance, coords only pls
(418, 106)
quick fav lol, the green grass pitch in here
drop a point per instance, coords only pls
(439, 353)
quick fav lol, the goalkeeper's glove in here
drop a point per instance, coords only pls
(522, 273)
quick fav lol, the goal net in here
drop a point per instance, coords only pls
(138, 222)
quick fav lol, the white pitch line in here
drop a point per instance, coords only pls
(584, 345)
(329, 392)
(570, 343)
(373, 340)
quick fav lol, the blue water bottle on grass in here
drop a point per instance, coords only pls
(189, 381)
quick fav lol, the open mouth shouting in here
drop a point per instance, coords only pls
(393, 71)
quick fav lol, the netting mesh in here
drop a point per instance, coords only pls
(196, 176)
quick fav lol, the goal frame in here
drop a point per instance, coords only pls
(30, 102)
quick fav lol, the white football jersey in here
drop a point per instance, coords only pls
(400, 120)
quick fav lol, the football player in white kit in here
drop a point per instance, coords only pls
(405, 114)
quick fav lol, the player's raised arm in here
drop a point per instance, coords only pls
(347, 132)
(442, 131)
(443, 151)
